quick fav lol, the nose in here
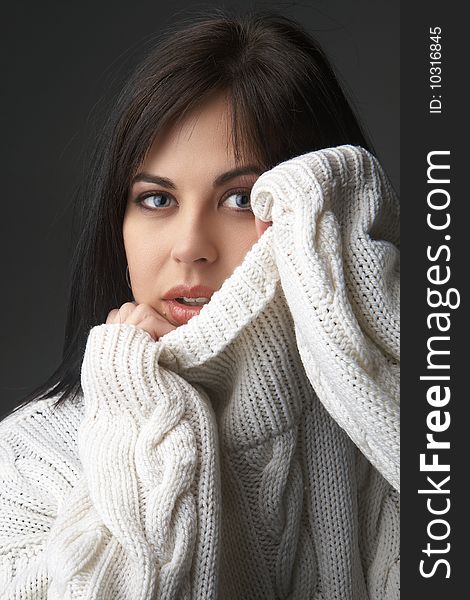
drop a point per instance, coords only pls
(195, 239)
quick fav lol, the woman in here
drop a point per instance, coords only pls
(224, 422)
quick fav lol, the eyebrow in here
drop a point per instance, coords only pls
(218, 181)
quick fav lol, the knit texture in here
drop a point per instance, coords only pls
(251, 453)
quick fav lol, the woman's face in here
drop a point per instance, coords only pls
(188, 220)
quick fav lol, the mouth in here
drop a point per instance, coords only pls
(180, 311)
(192, 301)
(184, 302)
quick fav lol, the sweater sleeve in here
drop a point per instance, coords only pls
(142, 520)
(335, 236)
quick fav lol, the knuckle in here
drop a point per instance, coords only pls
(112, 313)
(148, 317)
(127, 305)
(145, 310)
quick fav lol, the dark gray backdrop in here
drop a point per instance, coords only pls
(63, 62)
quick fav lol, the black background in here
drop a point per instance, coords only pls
(63, 63)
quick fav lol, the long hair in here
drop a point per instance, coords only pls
(284, 100)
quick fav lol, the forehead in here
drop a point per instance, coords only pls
(202, 138)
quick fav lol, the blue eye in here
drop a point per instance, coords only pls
(157, 201)
(241, 200)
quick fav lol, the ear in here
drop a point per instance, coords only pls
(261, 226)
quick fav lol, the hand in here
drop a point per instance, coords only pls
(143, 316)
(261, 226)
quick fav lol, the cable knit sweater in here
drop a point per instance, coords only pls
(249, 454)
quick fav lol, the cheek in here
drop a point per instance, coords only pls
(133, 239)
(239, 241)
(144, 248)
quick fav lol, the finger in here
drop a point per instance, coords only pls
(156, 326)
(146, 317)
(124, 312)
(112, 316)
(138, 313)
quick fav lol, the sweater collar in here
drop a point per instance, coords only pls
(241, 298)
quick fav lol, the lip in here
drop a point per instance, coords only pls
(179, 312)
(189, 291)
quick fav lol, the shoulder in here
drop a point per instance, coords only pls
(41, 436)
(43, 412)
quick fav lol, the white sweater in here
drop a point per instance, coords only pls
(249, 454)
